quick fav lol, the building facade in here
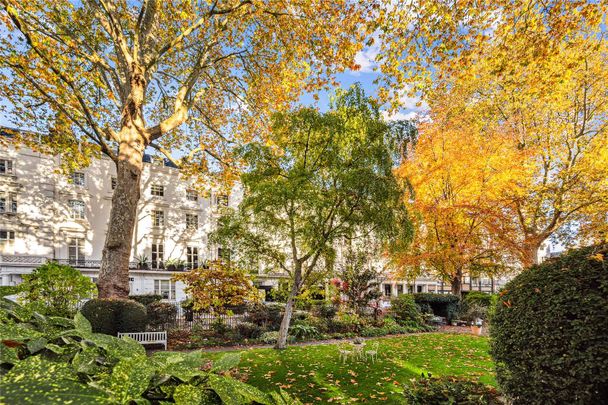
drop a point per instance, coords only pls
(46, 215)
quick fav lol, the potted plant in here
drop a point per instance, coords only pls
(180, 265)
(477, 326)
(142, 262)
(171, 264)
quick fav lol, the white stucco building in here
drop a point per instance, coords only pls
(45, 215)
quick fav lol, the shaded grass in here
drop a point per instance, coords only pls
(315, 375)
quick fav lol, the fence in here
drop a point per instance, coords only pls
(185, 319)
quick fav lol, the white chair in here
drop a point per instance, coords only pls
(373, 352)
(345, 354)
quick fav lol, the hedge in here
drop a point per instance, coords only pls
(146, 299)
(445, 305)
(550, 331)
(111, 316)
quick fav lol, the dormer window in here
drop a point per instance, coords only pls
(77, 178)
(157, 190)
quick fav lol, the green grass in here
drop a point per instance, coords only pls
(315, 375)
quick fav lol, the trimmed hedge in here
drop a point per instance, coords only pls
(445, 305)
(550, 331)
(114, 315)
(160, 313)
(146, 299)
(478, 298)
(405, 310)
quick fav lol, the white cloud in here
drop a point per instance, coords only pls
(398, 116)
(366, 59)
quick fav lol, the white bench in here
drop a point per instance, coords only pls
(147, 337)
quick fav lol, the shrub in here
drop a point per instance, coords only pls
(248, 330)
(55, 289)
(472, 312)
(550, 334)
(345, 322)
(303, 331)
(445, 305)
(449, 390)
(160, 313)
(325, 310)
(269, 316)
(53, 360)
(111, 316)
(8, 290)
(477, 297)
(405, 310)
(270, 337)
(146, 299)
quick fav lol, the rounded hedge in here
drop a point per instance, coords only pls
(114, 315)
(550, 331)
(446, 305)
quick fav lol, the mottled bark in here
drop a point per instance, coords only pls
(456, 283)
(295, 290)
(529, 252)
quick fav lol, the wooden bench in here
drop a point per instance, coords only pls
(146, 338)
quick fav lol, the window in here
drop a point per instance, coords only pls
(223, 254)
(76, 251)
(192, 257)
(8, 204)
(222, 200)
(78, 178)
(388, 290)
(399, 289)
(191, 195)
(113, 183)
(158, 218)
(158, 255)
(6, 237)
(77, 209)
(419, 288)
(165, 288)
(157, 190)
(6, 166)
(410, 289)
(191, 221)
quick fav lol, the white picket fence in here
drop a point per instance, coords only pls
(147, 337)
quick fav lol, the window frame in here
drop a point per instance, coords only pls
(192, 257)
(158, 218)
(157, 190)
(191, 195)
(9, 167)
(76, 254)
(8, 238)
(80, 175)
(157, 255)
(192, 221)
(76, 213)
(158, 288)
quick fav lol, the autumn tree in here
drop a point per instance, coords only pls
(218, 287)
(187, 79)
(323, 178)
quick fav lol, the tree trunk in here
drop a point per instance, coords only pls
(114, 271)
(530, 252)
(456, 282)
(295, 290)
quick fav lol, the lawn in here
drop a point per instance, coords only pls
(315, 375)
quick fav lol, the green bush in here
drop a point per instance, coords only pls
(55, 289)
(303, 331)
(272, 337)
(478, 297)
(445, 305)
(160, 314)
(53, 360)
(8, 290)
(325, 310)
(146, 299)
(111, 316)
(550, 331)
(268, 316)
(448, 391)
(345, 322)
(248, 330)
(405, 310)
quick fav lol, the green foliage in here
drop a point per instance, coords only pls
(445, 305)
(448, 391)
(8, 290)
(549, 331)
(345, 322)
(478, 297)
(326, 310)
(359, 281)
(303, 331)
(268, 316)
(405, 310)
(146, 299)
(160, 313)
(114, 315)
(248, 330)
(58, 360)
(55, 289)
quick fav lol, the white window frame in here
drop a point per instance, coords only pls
(76, 254)
(158, 218)
(78, 209)
(8, 203)
(191, 195)
(7, 167)
(165, 288)
(158, 255)
(157, 190)
(80, 176)
(192, 258)
(7, 237)
(191, 221)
